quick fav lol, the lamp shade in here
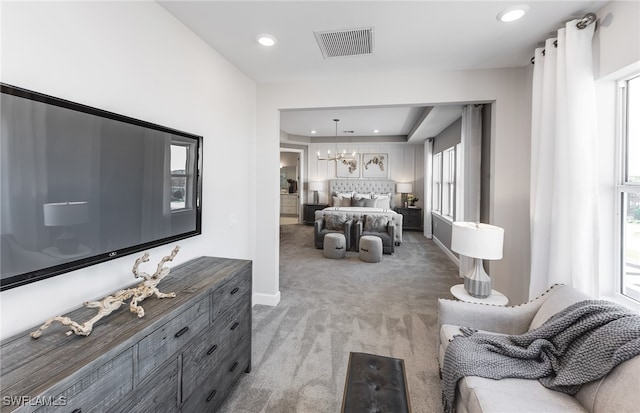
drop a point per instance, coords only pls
(404, 188)
(477, 240)
(316, 186)
(65, 213)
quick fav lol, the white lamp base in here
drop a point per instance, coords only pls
(478, 283)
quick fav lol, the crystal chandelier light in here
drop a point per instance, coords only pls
(338, 156)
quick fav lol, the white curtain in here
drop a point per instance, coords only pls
(428, 186)
(468, 183)
(564, 228)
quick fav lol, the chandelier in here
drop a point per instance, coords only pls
(338, 156)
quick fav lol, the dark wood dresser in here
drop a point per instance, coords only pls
(184, 355)
(309, 213)
(411, 218)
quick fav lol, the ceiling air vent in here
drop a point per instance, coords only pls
(346, 42)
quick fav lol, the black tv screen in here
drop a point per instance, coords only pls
(80, 186)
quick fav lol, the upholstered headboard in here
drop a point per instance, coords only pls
(361, 186)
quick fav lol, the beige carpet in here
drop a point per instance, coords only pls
(331, 307)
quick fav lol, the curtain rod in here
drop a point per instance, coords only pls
(583, 23)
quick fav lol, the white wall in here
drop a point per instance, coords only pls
(135, 59)
(404, 163)
(509, 161)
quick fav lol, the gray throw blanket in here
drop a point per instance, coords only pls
(579, 344)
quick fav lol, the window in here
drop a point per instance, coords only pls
(444, 182)
(629, 189)
(437, 182)
(449, 181)
(181, 182)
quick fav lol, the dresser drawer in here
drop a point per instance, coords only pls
(214, 345)
(158, 393)
(211, 393)
(158, 346)
(98, 390)
(224, 297)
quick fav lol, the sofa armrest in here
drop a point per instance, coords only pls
(505, 320)
(347, 233)
(391, 231)
(318, 224)
(358, 234)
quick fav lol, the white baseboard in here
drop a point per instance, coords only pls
(447, 252)
(266, 299)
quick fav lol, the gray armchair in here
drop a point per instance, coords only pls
(378, 226)
(332, 224)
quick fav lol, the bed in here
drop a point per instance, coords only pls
(372, 197)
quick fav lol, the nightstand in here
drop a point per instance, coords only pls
(411, 218)
(309, 212)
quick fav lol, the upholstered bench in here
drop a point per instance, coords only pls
(375, 384)
(335, 245)
(370, 249)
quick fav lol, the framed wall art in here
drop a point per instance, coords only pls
(348, 168)
(375, 165)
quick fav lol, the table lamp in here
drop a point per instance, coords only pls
(315, 186)
(66, 214)
(404, 189)
(478, 241)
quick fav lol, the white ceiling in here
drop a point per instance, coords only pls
(410, 37)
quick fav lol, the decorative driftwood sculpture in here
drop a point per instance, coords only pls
(111, 303)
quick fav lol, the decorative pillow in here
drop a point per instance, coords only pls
(359, 202)
(339, 201)
(383, 201)
(367, 196)
(345, 194)
(376, 223)
(335, 222)
(370, 203)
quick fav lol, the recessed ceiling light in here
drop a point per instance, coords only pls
(376, 130)
(267, 40)
(313, 132)
(513, 13)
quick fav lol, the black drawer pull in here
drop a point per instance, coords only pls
(78, 410)
(235, 290)
(234, 366)
(212, 349)
(213, 393)
(236, 324)
(182, 331)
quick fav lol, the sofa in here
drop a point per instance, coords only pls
(619, 391)
(385, 230)
(359, 213)
(339, 224)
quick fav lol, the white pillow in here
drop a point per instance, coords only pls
(345, 194)
(383, 201)
(365, 196)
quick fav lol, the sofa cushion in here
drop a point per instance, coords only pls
(559, 298)
(618, 391)
(481, 395)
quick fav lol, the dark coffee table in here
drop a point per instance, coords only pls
(375, 384)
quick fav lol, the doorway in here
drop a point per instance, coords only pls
(291, 185)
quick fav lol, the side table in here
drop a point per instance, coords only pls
(309, 211)
(496, 297)
(411, 218)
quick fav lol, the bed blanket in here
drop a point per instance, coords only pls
(581, 343)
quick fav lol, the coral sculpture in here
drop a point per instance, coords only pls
(111, 303)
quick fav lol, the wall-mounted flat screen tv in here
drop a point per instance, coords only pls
(80, 186)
